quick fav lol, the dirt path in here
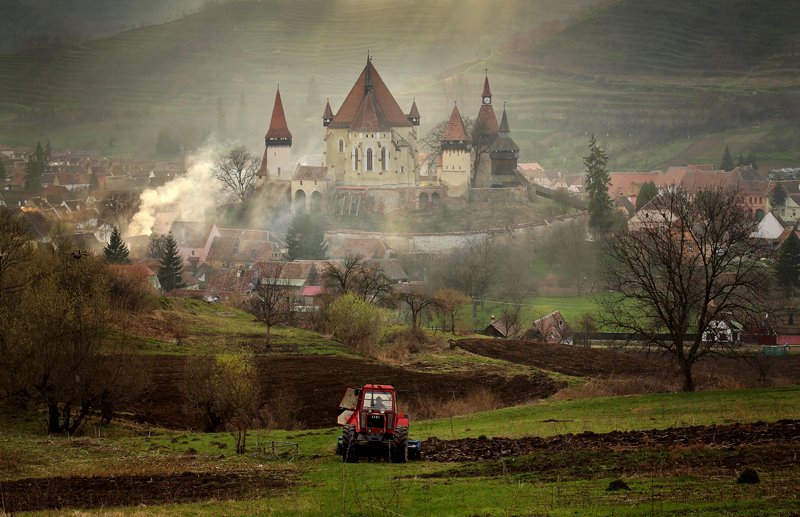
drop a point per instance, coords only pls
(722, 436)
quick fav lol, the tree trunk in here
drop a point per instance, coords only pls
(686, 371)
(53, 418)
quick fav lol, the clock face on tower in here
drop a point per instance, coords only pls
(487, 100)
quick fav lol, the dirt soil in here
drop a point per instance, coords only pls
(308, 388)
(36, 494)
(756, 371)
(719, 436)
(570, 360)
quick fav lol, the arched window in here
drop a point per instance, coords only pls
(369, 159)
(341, 146)
(423, 201)
(355, 159)
(383, 158)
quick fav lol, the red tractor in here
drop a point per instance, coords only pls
(373, 425)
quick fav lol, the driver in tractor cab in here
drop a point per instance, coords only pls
(378, 403)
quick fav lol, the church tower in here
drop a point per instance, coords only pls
(277, 161)
(370, 141)
(483, 136)
(504, 152)
(456, 157)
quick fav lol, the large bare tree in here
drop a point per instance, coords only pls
(687, 264)
(271, 300)
(236, 169)
(355, 274)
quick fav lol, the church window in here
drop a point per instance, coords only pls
(355, 159)
(341, 146)
(369, 159)
(383, 158)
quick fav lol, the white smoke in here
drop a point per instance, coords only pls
(186, 197)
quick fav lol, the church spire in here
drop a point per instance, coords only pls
(413, 115)
(278, 133)
(368, 86)
(487, 92)
(505, 130)
(327, 115)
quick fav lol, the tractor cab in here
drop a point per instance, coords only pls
(373, 424)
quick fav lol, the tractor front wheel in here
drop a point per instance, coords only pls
(400, 445)
(349, 453)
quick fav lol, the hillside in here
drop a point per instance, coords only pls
(659, 83)
(174, 76)
(651, 79)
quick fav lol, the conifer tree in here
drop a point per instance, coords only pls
(646, 192)
(787, 265)
(35, 167)
(171, 268)
(779, 195)
(306, 239)
(3, 173)
(727, 160)
(597, 181)
(116, 252)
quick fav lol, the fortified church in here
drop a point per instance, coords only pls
(372, 160)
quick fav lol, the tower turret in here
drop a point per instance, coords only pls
(327, 115)
(504, 152)
(276, 162)
(413, 115)
(456, 157)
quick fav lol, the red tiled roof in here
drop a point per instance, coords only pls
(312, 290)
(328, 113)
(486, 127)
(278, 128)
(369, 116)
(384, 99)
(414, 113)
(237, 250)
(455, 130)
(310, 172)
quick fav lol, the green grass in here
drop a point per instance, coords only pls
(571, 307)
(661, 481)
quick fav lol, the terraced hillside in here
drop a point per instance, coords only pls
(658, 82)
(115, 93)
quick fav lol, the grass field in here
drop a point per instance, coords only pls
(537, 484)
(571, 307)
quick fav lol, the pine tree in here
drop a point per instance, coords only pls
(3, 173)
(727, 160)
(171, 268)
(646, 192)
(597, 181)
(787, 265)
(779, 195)
(116, 252)
(306, 239)
(36, 165)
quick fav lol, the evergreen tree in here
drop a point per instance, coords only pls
(94, 184)
(646, 192)
(116, 252)
(306, 239)
(3, 173)
(779, 195)
(727, 160)
(36, 165)
(787, 265)
(597, 181)
(171, 268)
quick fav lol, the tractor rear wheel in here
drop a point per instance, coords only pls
(349, 453)
(400, 445)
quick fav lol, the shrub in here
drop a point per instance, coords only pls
(356, 322)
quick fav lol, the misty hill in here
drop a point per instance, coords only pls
(664, 82)
(233, 54)
(27, 23)
(656, 81)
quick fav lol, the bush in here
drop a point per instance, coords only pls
(356, 322)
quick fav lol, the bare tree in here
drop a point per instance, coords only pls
(471, 268)
(236, 170)
(357, 275)
(119, 208)
(688, 265)
(449, 303)
(418, 303)
(271, 302)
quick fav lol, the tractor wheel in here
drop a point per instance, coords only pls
(400, 445)
(349, 453)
